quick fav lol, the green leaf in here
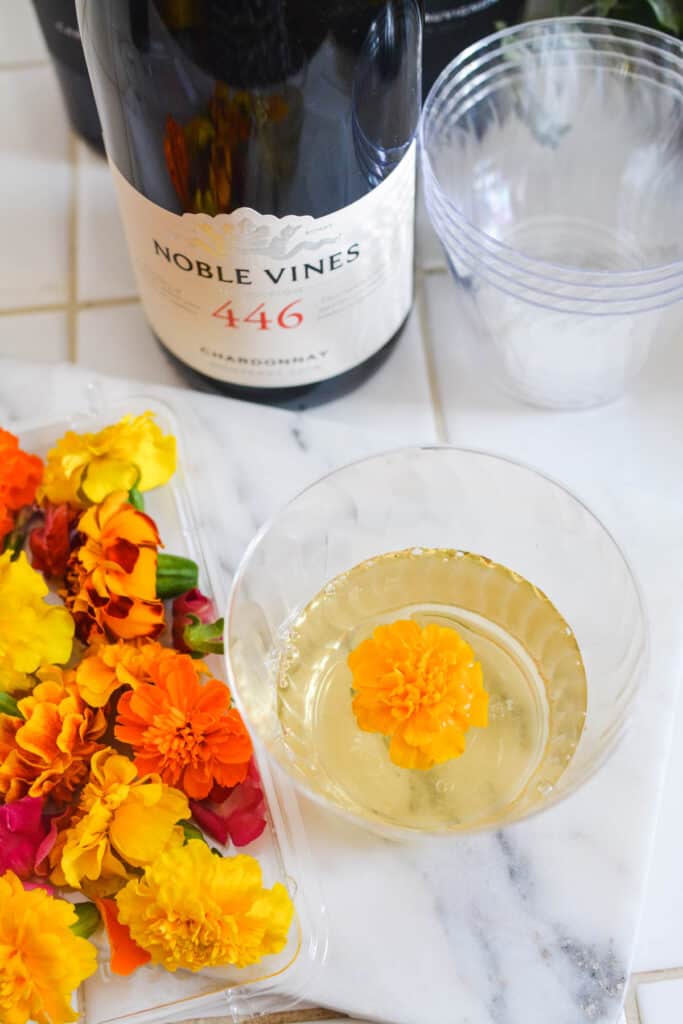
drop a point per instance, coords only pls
(9, 706)
(667, 15)
(88, 920)
(204, 637)
(175, 575)
(191, 831)
(136, 499)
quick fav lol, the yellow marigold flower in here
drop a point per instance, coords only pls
(85, 468)
(48, 750)
(420, 686)
(41, 961)
(123, 821)
(32, 632)
(192, 909)
(107, 667)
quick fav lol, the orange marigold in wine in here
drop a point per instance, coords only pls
(421, 686)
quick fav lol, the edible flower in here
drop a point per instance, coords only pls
(196, 627)
(106, 668)
(238, 814)
(125, 954)
(110, 585)
(32, 632)
(84, 469)
(42, 962)
(183, 729)
(48, 750)
(25, 836)
(20, 475)
(192, 909)
(421, 686)
(51, 543)
(122, 821)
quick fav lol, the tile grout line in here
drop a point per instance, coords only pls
(63, 307)
(49, 307)
(24, 65)
(72, 286)
(428, 350)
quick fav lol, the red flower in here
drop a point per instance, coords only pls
(25, 836)
(237, 814)
(51, 543)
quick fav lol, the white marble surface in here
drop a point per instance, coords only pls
(65, 295)
(536, 923)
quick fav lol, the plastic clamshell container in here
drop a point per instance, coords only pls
(153, 995)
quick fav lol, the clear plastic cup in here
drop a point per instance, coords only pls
(552, 155)
(436, 498)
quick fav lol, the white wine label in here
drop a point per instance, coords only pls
(273, 302)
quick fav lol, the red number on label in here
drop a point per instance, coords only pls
(287, 319)
(225, 313)
(258, 316)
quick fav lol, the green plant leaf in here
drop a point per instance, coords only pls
(667, 15)
(8, 706)
(88, 920)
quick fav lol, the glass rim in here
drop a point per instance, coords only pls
(611, 739)
(657, 41)
(452, 220)
(575, 303)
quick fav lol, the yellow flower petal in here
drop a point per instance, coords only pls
(192, 910)
(122, 821)
(41, 961)
(106, 475)
(86, 468)
(33, 632)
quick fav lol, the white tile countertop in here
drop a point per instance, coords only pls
(67, 294)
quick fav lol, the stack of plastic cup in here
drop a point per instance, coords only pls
(552, 157)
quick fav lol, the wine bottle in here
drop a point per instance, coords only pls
(264, 157)
(59, 26)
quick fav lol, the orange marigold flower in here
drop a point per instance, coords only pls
(185, 731)
(42, 962)
(111, 577)
(20, 475)
(107, 667)
(420, 686)
(49, 750)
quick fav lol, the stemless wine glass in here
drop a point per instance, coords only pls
(551, 156)
(524, 526)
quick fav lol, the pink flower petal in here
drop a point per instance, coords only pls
(209, 821)
(240, 816)
(246, 826)
(22, 831)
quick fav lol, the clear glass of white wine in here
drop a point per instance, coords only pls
(511, 561)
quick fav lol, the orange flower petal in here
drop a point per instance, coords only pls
(420, 686)
(126, 955)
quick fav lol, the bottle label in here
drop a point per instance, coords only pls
(272, 302)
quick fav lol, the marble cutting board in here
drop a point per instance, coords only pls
(533, 925)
